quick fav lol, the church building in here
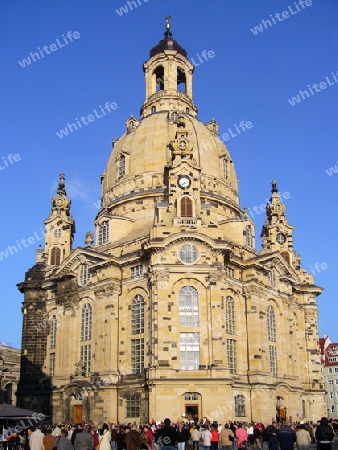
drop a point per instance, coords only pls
(169, 310)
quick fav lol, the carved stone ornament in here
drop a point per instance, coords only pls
(107, 289)
(89, 238)
(68, 309)
(252, 290)
(159, 275)
(214, 277)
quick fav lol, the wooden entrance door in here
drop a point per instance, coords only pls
(77, 414)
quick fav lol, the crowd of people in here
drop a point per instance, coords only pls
(187, 435)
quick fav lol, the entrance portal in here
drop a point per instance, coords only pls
(77, 414)
(191, 411)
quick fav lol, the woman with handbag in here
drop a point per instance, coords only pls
(105, 438)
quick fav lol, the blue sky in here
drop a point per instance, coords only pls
(251, 77)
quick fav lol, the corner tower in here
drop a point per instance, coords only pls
(60, 228)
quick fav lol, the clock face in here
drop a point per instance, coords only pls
(182, 145)
(59, 201)
(281, 238)
(278, 207)
(184, 181)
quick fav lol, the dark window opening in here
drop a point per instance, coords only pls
(181, 80)
(159, 74)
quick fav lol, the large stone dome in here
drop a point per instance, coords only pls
(145, 149)
(168, 168)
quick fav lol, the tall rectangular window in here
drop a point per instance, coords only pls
(51, 364)
(53, 327)
(85, 355)
(133, 406)
(86, 322)
(271, 323)
(84, 274)
(136, 271)
(121, 168)
(231, 355)
(226, 169)
(137, 355)
(186, 207)
(104, 232)
(230, 315)
(273, 360)
(190, 351)
(137, 315)
(230, 272)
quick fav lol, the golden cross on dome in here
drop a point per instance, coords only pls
(167, 21)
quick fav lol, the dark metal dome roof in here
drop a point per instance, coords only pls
(168, 43)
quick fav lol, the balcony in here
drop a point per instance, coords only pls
(187, 221)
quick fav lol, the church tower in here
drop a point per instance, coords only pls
(170, 310)
(60, 228)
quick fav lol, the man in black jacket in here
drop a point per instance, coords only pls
(271, 436)
(324, 434)
(167, 436)
(286, 437)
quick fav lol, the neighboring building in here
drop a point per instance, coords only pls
(9, 373)
(329, 354)
(170, 310)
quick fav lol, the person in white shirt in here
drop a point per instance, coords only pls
(36, 439)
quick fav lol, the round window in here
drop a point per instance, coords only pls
(58, 232)
(188, 253)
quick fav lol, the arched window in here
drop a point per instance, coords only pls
(86, 322)
(121, 166)
(84, 274)
(188, 307)
(230, 315)
(239, 406)
(181, 80)
(186, 207)
(137, 315)
(55, 256)
(271, 323)
(53, 328)
(248, 236)
(104, 232)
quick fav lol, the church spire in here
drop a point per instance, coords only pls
(167, 26)
(61, 189)
(60, 227)
(276, 232)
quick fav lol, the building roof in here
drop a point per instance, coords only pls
(168, 43)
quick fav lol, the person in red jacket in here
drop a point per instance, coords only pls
(214, 438)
